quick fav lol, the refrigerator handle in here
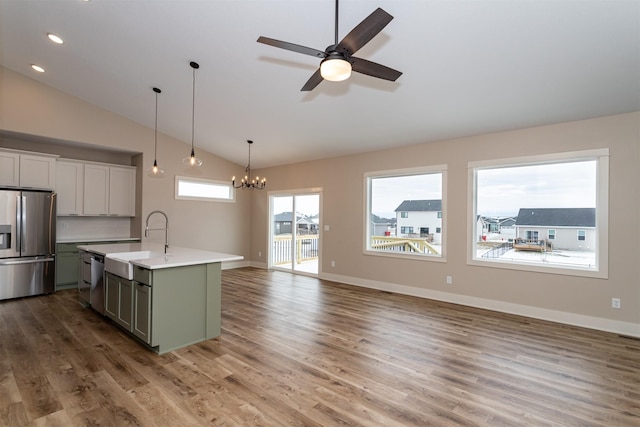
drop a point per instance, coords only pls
(19, 200)
(51, 219)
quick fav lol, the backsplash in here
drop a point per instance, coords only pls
(92, 228)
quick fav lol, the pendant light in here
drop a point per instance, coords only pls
(247, 181)
(155, 170)
(192, 160)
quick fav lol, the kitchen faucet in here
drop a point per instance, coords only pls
(166, 229)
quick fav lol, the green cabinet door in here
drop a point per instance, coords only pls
(118, 300)
(125, 304)
(111, 297)
(142, 311)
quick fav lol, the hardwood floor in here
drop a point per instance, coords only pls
(299, 351)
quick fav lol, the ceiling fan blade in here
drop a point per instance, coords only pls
(293, 47)
(314, 81)
(374, 69)
(364, 32)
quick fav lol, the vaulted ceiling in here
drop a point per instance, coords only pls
(469, 67)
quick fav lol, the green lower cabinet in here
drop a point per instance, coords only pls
(119, 300)
(142, 311)
(68, 261)
(176, 307)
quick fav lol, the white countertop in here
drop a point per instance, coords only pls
(94, 239)
(175, 257)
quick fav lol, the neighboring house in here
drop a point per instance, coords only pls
(305, 225)
(380, 226)
(420, 218)
(507, 227)
(565, 228)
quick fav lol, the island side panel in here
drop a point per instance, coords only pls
(214, 295)
(179, 306)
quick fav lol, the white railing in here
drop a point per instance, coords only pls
(306, 248)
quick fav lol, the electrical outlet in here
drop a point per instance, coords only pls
(615, 302)
(333, 263)
(259, 254)
(449, 280)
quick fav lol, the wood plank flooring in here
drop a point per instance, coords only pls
(298, 351)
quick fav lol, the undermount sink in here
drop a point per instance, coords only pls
(118, 263)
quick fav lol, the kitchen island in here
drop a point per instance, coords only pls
(167, 301)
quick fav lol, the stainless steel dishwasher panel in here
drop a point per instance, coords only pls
(84, 281)
(97, 283)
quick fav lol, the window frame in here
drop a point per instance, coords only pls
(177, 196)
(601, 156)
(422, 170)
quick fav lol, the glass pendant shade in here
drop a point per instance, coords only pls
(335, 69)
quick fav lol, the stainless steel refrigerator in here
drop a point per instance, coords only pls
(27, 243)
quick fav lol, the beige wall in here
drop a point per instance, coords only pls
(558, 297)
(28, 107)
(32, 108)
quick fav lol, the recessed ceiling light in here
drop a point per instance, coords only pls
(55, 38)
(37, 68)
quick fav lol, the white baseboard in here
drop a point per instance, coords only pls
(590, 322)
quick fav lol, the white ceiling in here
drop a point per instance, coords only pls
(470, 67)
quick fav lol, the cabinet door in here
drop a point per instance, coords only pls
(125, 312)
(70, 188)
(9, 169)
(37, 172)
(111, 296)
(142, 312)
(122, 191)
(67, 267)
(96, 189)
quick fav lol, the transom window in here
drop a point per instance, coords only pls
(404, 213)
(560, 206)
(188, 188)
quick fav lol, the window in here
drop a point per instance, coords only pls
(188, 188)
(532, 235)
(403, 208)
(565, 194)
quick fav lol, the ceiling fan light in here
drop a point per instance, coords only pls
(335, 69)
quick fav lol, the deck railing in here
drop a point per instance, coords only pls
(402, 244)
(306, 248)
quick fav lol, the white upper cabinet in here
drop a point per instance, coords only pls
(70, 187)
(96, 189)
(122, 191)
(9, 169)
(89, 188)
(27, 170)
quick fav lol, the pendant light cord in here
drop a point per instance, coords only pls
(336, 36)
(193, 107)
(155, 149)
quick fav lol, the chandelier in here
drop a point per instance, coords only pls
(247, 181)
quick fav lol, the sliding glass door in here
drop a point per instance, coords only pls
(294, 234)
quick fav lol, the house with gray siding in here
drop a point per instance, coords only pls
(566, 228)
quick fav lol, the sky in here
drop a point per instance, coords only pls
(388, 193)
(503, 191)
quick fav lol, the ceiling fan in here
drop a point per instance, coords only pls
(337, 62)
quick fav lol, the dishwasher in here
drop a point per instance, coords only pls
(84, 279)
(96, 294)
